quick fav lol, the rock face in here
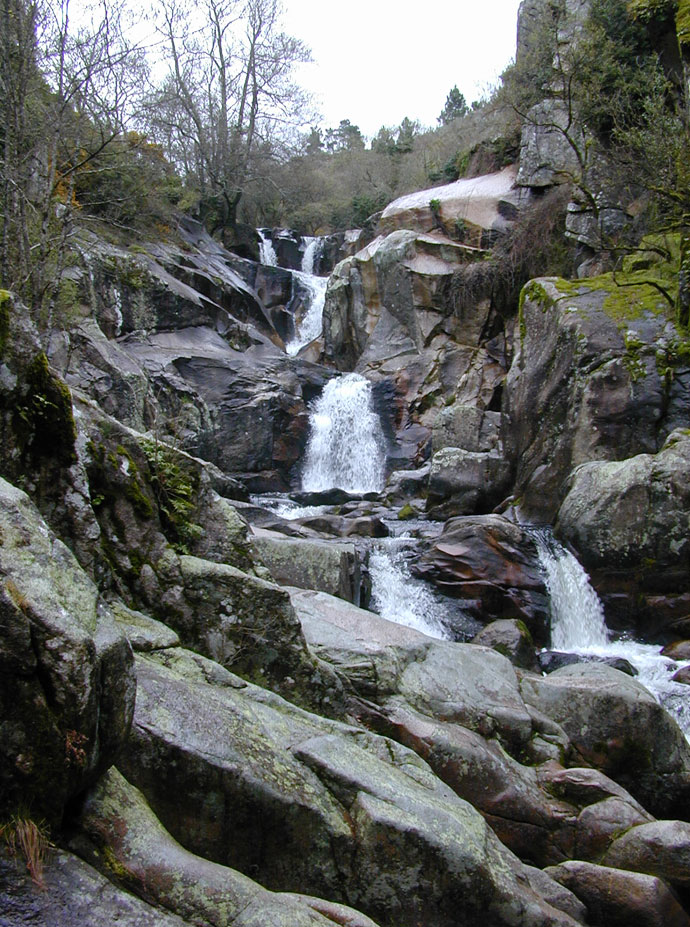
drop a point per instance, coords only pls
(327, 796)
(584, 386)
(632, 517)
(119, 834)
(391, 314)
(596, 706)
(67, 683)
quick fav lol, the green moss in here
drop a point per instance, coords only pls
(133, 490)
(536, 293)
(632, 358)
(43, 419)
(5, 306)
(633, 291)
(176, 488)
(128, 271)
(407, 511)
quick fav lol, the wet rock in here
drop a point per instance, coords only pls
(511, 638)
(679, 650)
(615, 725)
(617, 898)
(405, 484)
(630, 517)
(490, 564)
(329, 567)
(682, 675)
(330, 497)
(465, 482)
(67, 683)
(551, 660)
(660, 848)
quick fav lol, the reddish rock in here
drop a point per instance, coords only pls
(491, 564)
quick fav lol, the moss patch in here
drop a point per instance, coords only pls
(43, 419)
(5, 304)
(176, 488)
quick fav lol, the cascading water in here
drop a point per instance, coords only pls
(267, 253)
(346, 447)
(578, 626)
(577, 614)
(313, 291)
(314, 297)
(397, 596)
(312, 250)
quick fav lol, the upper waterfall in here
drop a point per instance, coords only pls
(267, 253)
(346, 446)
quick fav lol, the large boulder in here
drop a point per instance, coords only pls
(618, 898)
(463, 482)
(588, 382)
(117, 832)
(615, 724)
(468, 208)
(306, 804)
(66, 682)
(428, 695)
(660, 848)
(331, 566)
(630, 522)
(491, 565)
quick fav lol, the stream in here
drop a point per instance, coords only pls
(346, 450)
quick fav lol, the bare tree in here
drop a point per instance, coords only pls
(68, 92)
(228, 94)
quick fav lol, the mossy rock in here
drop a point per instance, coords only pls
(42, 415)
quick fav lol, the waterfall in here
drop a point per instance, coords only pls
(267, 253)
(397, 596)
(314, 289)
(578, 626)
(346, 447)
(577, 616)
(312, 250)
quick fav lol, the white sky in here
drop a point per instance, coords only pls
(377, 61)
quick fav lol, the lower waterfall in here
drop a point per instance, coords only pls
(397, 596)
(346, 447)
(578, 626)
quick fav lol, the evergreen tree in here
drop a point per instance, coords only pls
(455, 108)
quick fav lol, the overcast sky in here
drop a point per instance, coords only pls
(377, 61)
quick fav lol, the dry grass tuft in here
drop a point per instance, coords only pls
(30, 840)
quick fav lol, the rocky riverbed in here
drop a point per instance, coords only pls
(288, 634)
